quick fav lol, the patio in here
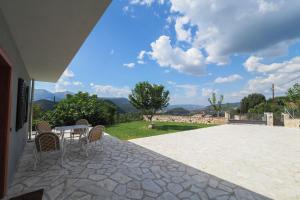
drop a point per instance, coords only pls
(123, 170)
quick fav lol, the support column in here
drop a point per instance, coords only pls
(269, 118)
(227, 117)
(31, 110)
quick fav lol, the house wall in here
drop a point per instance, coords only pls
(17, 139)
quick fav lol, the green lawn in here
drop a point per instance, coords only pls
(138, 129)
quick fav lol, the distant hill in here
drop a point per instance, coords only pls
(40, 94)
(225, 107)
(45, 104)
(178, 111)
(122, 104)
(189, 107)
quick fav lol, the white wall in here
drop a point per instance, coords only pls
(17, 139)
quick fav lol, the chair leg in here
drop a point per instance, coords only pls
(62, 158)
(86, 150)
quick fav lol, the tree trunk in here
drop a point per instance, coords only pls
(151, 122)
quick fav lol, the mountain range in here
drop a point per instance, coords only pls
(40, 94)
(45, 99)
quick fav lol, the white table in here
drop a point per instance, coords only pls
(62, 130)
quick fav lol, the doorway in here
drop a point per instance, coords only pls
(5, 90)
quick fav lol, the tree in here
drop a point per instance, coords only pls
(81, 106)
(216, 104)
(251, 101)
(149, 98)
(293, 93)
(293, 98)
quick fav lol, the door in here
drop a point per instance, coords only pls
(5, 90)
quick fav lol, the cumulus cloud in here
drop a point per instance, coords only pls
(206, 92)
(129, 65)
(64, 81)
(228, 79)
(110, 91)
(67, 74)
(145, 2)
(266, 74)
(182, 33)
(241, 26)
(190, 61)
(141, 56)
(77, 83)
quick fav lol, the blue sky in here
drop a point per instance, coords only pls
(193, 47)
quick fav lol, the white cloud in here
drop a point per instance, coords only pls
(228, 79)
(129, 65)
(141, 57)
(182, 33)
(267, 6)
(278, 73)
(189, 61)
(228, 27)
(145, 2)
(110, 91)
(206, 92)
(67, 74)
(77, 83)
(64, 81)
(171, 82)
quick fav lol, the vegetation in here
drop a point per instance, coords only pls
(216, 104)
(81, 105)
(257, 104)
(122, 104)
(45, 104)
(138, 129)
(177, 111)
(149, 99)
(251, 101)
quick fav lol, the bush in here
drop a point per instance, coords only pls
(81, 106)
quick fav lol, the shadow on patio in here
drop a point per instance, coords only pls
(122, 171)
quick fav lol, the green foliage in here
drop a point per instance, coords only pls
(293, 94)
(37, 114)
(128, 117)
(251, 101)
(149, 98)
(178, 111)
(81, 106)
(216, 104)
(138, 129)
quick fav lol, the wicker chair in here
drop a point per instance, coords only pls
(42, 127)
(94, 136)
(79, 131)
(45, 143)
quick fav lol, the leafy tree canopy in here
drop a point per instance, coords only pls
(216, 104)
(293, 93)
(149, 98)
(81, 106)
(251, 101)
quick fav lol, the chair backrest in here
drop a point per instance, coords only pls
(42, 127)
(96, 133)
(81, 122)
(47, 141)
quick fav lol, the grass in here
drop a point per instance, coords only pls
(139, 129)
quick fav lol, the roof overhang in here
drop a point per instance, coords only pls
(49, 33)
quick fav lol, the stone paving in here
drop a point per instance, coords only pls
(123, 170)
